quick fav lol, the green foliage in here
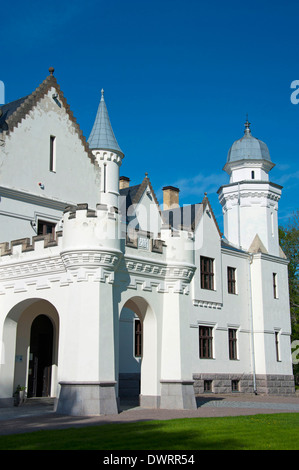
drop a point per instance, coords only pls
(289, 242)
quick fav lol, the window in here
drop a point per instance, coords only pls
(105, 178)
(232, 343)
(52, 153)
(275, 286)
(137, 338)
(207, 385)
(205, 342)
(235, 385)
(46, 228)
(277, 346)
(231, 280)
(252, 175)
(207, 273)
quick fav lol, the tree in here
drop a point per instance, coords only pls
(289, 242)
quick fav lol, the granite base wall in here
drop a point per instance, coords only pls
(87, 398)
(265, 384)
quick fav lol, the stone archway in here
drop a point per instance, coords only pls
(17, 327)
(138, 375)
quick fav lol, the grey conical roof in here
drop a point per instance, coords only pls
(102, 135)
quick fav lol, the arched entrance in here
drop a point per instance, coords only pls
(40, 357)
(30, 344)
(138, 365)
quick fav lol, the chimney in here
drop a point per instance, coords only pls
(170, 197)
(124, 182)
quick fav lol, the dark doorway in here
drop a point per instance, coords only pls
(40, 359)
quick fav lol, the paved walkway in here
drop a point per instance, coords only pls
(33, 417)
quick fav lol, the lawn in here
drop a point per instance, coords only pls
(258, 432)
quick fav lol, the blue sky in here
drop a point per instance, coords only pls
(179, 78)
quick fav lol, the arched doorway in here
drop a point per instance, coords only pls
(23, 325)
(138, 365)
(40, 357)
(130, 356)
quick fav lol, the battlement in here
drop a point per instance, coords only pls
(134, 238)
(139, 239)
(74, 210)
(25, 245)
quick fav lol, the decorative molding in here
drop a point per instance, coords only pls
(109, 156)
(149, 267)
(32, 198)
(207, 304)
(91, 259)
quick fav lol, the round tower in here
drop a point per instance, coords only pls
(250, 200)
(108, 154)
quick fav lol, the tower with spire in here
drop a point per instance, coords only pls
(108, 154)
(250, 200)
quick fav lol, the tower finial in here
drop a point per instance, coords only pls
(102, 92)
(51, 70)
(247, 126)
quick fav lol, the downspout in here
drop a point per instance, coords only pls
(250, 259)
(239, 232)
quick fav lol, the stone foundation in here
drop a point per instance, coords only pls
(87, 398)
(177, 395)
(228, 383)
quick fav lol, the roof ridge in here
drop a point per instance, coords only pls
(137, 197)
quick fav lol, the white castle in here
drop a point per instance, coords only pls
(104, 294)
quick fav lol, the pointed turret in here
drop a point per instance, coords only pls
(108, 154)
(102, 135)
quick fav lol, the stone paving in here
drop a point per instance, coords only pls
(33, 417)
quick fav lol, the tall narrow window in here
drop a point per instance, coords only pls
(275, 286)
(232, 342)
(272, 224)
(105, 177)
(52, 153)
(277, 345)
(205, 342)
(252, 175)
(231, 280)
(137, 338)
(207, 273)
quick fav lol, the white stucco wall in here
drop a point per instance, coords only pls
(25, 162)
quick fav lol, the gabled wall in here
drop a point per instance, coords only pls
(25, 158)
(25, 168)
(147, 213)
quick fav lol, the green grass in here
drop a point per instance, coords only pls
(258, 432)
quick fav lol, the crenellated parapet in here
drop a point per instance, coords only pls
(93, 245)
(26, 245)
